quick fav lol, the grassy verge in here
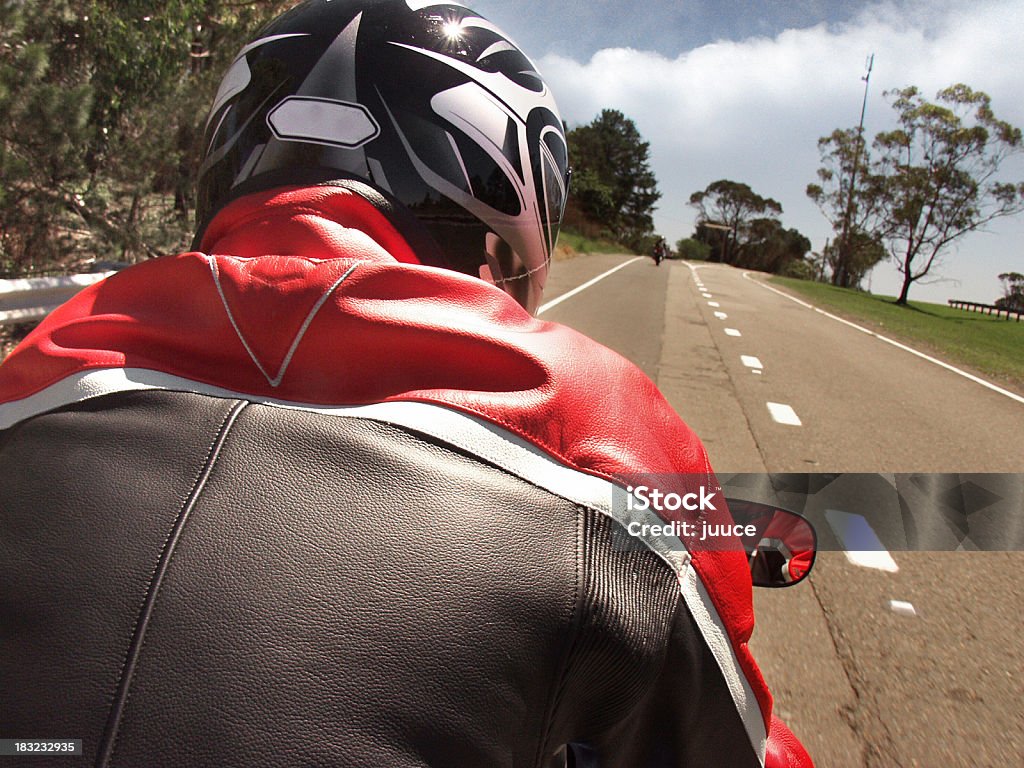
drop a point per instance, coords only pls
(572, 244)
(994, 348)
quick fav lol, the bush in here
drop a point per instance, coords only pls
(692, 250)
(800, 269)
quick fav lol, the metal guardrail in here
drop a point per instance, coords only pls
(28, 299)
(985, 309)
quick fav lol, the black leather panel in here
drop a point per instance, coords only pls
(629, 599)
(341, 593)
(347, 594)
(687, 718)
(87, 498)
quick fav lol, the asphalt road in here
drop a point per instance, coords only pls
(900, 658)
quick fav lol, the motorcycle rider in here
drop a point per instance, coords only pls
(324, 491)
(660, 251)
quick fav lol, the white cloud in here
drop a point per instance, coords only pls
(753, 110)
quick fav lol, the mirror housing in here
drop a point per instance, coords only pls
(782, 551)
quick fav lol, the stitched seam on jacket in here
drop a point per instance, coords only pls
(112, 731)
(575, 623)
(273, 381)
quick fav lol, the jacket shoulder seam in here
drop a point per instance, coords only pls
(111, 735)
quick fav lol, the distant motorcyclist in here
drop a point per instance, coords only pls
(324, 492)
(660, 251)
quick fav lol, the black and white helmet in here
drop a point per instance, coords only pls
(426, 108)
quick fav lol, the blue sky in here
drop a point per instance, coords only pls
(743, 90)
(576, 28)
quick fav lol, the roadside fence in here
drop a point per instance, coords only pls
(986, 309)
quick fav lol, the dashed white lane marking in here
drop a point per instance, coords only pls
(784, 414)
(707, 295)
(714, 304)
(732, 332)
(860, 542)
(751, 362)
(902, 608)
(721, 315)
(569, 294)
(898, 345)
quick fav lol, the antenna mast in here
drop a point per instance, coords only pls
(851, 205)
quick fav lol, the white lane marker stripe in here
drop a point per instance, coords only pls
(707, 295)
(732, 332)
(721, 315)
(714, 304)
(569, 294)
(860, 542)
(898, 345)
(784, 414)
(751, 362)
(902, 608)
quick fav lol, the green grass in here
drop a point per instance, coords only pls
(577, 243)
(992, 347)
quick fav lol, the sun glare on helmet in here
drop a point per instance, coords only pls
(452, 30)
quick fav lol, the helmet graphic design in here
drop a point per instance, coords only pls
(427, 109)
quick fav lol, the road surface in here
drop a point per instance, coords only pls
(900, 658)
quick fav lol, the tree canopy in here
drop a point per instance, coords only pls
(771, 248)
(101, 110)
(612, 183)
(850, 197)
(1013, 291)
(924, 184)
(742, 228)
(731, 204)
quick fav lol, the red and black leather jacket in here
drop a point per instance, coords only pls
(299, 500)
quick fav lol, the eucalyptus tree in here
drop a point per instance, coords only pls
(926, 183)
(726, 209)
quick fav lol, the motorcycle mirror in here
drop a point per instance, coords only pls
(781, 551)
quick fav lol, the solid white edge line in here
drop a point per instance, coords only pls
(898, 345)
(569, 294)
